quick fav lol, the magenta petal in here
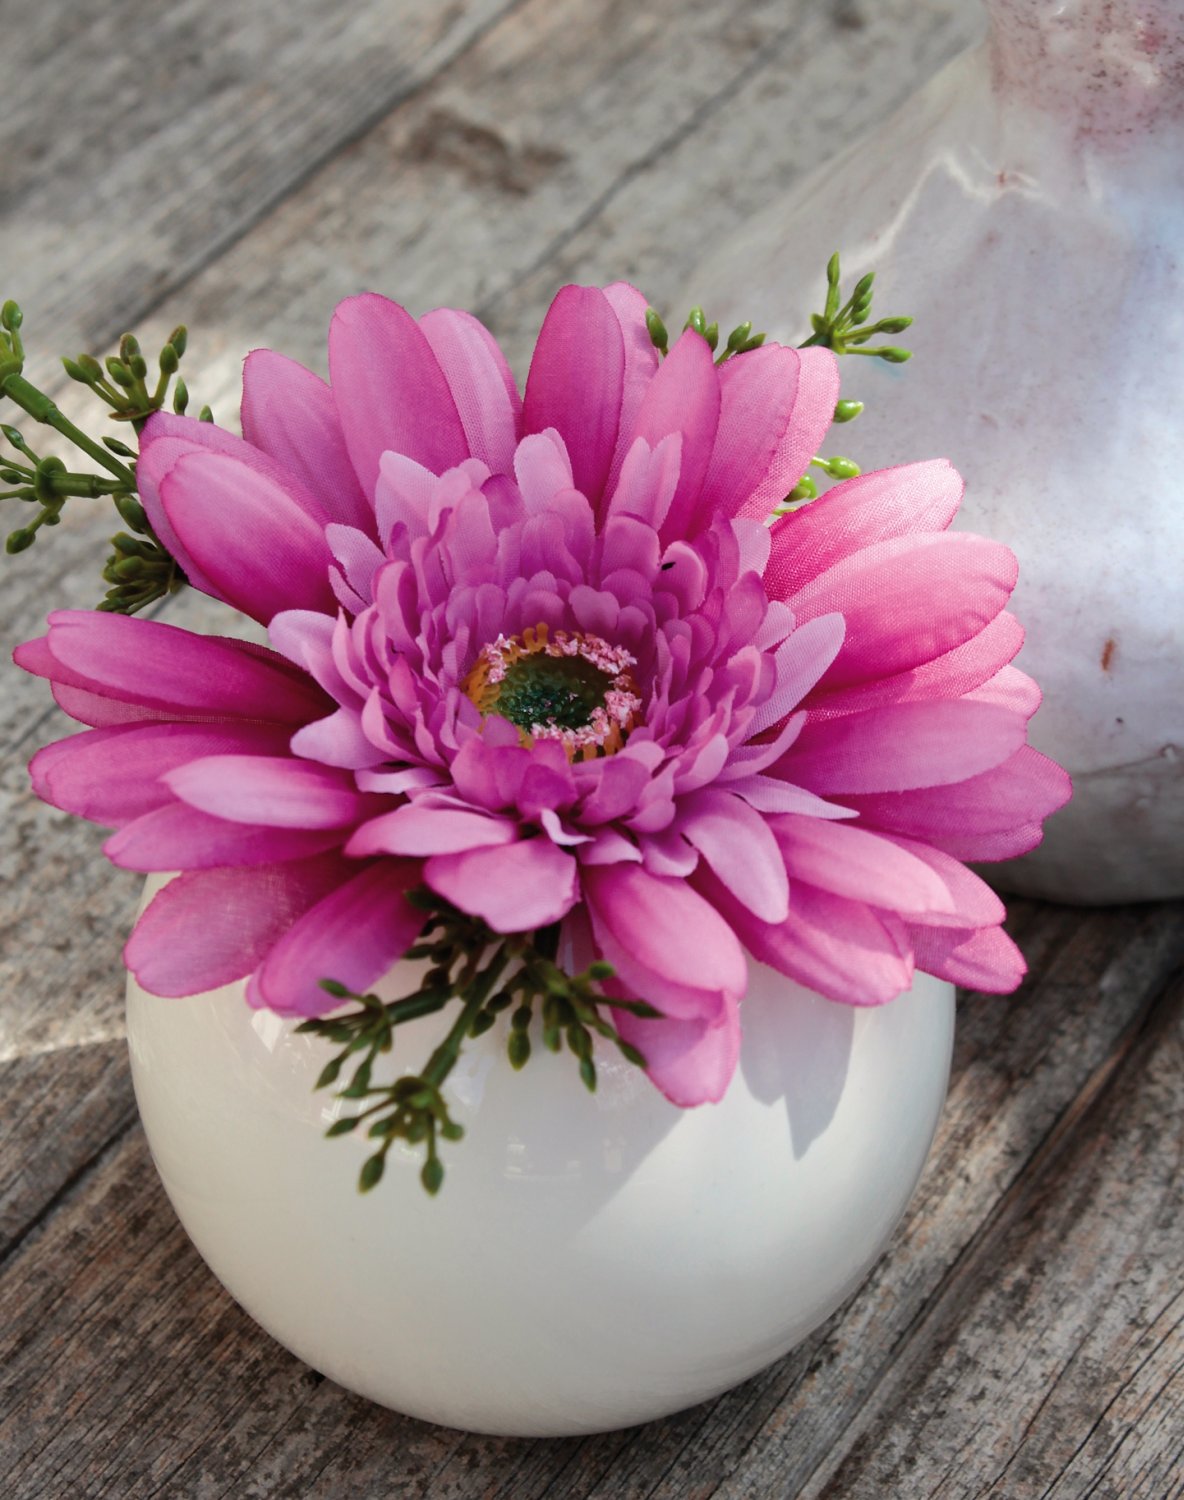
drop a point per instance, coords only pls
(667, 944)
(112, 775)
(757, 394)
(994, 815)
(481, 383)
(251, 539)
(692, 1062)
(908, 601)
(289, 414)
(813, 411)
(840, 948)
(337, 741)
(859, 865)
(177, 673)
(857, 513)
(916, 745)
(353, 935)
(274, 791)
(515, 888)
(390, 391)
(176, 837)
(418, 830)
(684, 396)
(983, 959)
(211, 927)
(641, 365)
(576, 381)
(739, 846)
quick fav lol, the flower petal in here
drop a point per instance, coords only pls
(353, 935)
(419, 830)
(177, 837)
(482, 386)
(389, 389)
(274, 791)
(208, 928)
(692, 1062)
(576, 381)
(684, 396)
(667, 944)
(739, 846)
(289, 414)
(516, 888)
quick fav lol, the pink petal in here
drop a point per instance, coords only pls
(211, 927)
(173, 672)
(994, 815)
(176, 837)
(740, 847)
(668, 946)
(338, 740)
(984, 959)
(576, 381)
(974, 903)
(901, 747)
(276, 791)
(112, 775)
(813, 411)
(389, 389)
(250, 538)
(516, 888)
(840, 948)
(802, 658)
(289, 414)
(481, 383)
(641, 365)
(354, 935)
(859, 865)
(909, 600)
(684, 396)
(857, 513)
(692, 1062)
(416, 830)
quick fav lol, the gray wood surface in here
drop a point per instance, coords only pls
(241, 168)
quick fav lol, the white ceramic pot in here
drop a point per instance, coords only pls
(1027, 207)
(591, 1261)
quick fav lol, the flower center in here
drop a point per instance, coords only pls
(563, 686)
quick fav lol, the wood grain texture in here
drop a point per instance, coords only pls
(1023, 1335)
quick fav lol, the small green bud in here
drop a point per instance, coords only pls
(343, 1126)
(631, 1054)
(863, 287)
(600, 970)
(588, 1074)
(332, 987)
(711, 334)
(371, 1174)
(894, 356)
(129, 348)
(656, 330)
(119, 373)
(481, 1023)
(805, 489)
(894, 325)
(738, 336)
(832, 270)
(860, 310)
(7, 476)
(132, 513)
(169, 360)
(179, 338)
(518, 1049)
(818, 323)
(180, 397)
(842, 468)
(432, 1175)
(847, 411)
(696, 319)
(138, 365)
(75, 371)
(20, 541)
(205, 415)
(90, 365)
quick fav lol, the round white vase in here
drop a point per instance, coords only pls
(591, 1261)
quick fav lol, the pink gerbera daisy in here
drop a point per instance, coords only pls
(545, 657)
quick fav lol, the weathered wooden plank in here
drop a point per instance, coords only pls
(139, 139)
(1064, 1326)
(160, 1386)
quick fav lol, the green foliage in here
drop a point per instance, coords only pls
(139, 569)
(842, 326)
(487, 973)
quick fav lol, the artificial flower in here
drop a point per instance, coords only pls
(544, 656)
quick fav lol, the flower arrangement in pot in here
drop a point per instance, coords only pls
(589, 747)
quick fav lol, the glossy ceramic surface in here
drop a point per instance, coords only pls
(591, 1261)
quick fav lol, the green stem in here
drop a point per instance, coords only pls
(42, 409)
(443, 1059)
